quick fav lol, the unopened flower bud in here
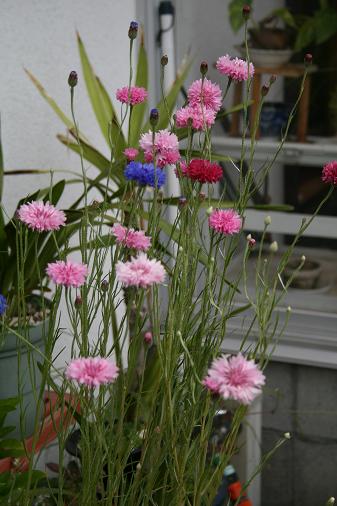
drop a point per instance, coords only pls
(330, 501)
(78, 301)
(72, 79)
(95, 204)
(154, 117)
(289, 309)
(303, 258)
(267, 220)
(273, 247)
(209, 211)
(251, 241)
(105, 285)
(246, 11)
(202, 196)
(148, 337)
(287, 435)
(264, 90)
(180, 249)
(272, 79)
(164, 60)
(133, 30)
(308, 59)
(203, 68)
(182, 202)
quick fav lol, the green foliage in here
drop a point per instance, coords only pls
(318, 28)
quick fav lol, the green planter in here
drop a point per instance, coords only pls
(23, 364)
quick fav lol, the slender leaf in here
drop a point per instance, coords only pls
(101, 106)
(141, 80)
(116, 132)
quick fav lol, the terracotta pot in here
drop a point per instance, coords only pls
(269, 38)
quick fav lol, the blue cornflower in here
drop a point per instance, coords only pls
(3, 304)
(144, 174)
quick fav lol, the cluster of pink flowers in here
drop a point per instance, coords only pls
(226, 222)
(235, 68)
(67, 273)
(204, 101)
(131, 238)
(329, 173)
(133, 95)
(131, 153)
(235, 377)
(41, 216)
(140, 271)
(165, 147)
(92, 372)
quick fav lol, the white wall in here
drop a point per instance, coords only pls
(40, 35)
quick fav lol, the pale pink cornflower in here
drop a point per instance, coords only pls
(140, 272)
(329, 173)
(206, 93)
(131, 153)
(201, 117)
(165, 147)
(234, 68)
(131, 238)
(234, 377)
(92, 371)
(41, 216)
(226, 222)
(133, 95)
(67, 273)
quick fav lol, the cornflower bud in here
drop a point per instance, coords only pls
(202, 196)
(148, 337)
(251, 241)
(105, 285)
(164, 60)
(72, 79)
(267, 220)
(331, 501)
(287, 435)
(264, 90)
(308, 59)
(154, 117)
(209, 211)
(246, 12)
(133, 30)
(272, 79)
(273, 247)
(203, 68)
(182, 201)
(78, 301)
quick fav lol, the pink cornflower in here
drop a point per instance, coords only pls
(148, 337)
(202, 117)
(234, 68)
(67, 273)
(226, 222)
(131, 153)
(41, 216)
(131, 238)
(206, 93)
(329, 173)
(140, 271)
(133, 95)
(166, 147)
(235, 377)
(92, 372)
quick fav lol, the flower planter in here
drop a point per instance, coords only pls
(10, 369)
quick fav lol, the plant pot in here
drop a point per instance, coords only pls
(269, 38)
(307, 277)
(268, 58)
(9, 371)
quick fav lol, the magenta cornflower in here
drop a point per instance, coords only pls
(67, 273)
(165, 147)
(133, 95)
(235, 377)
(226, 222)
(131, 238)
(41, 216)
(140, 272)
(92, 372)
(206, 93)
(131, 153)
(201, 117)
(329, 173)
(234, 68)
